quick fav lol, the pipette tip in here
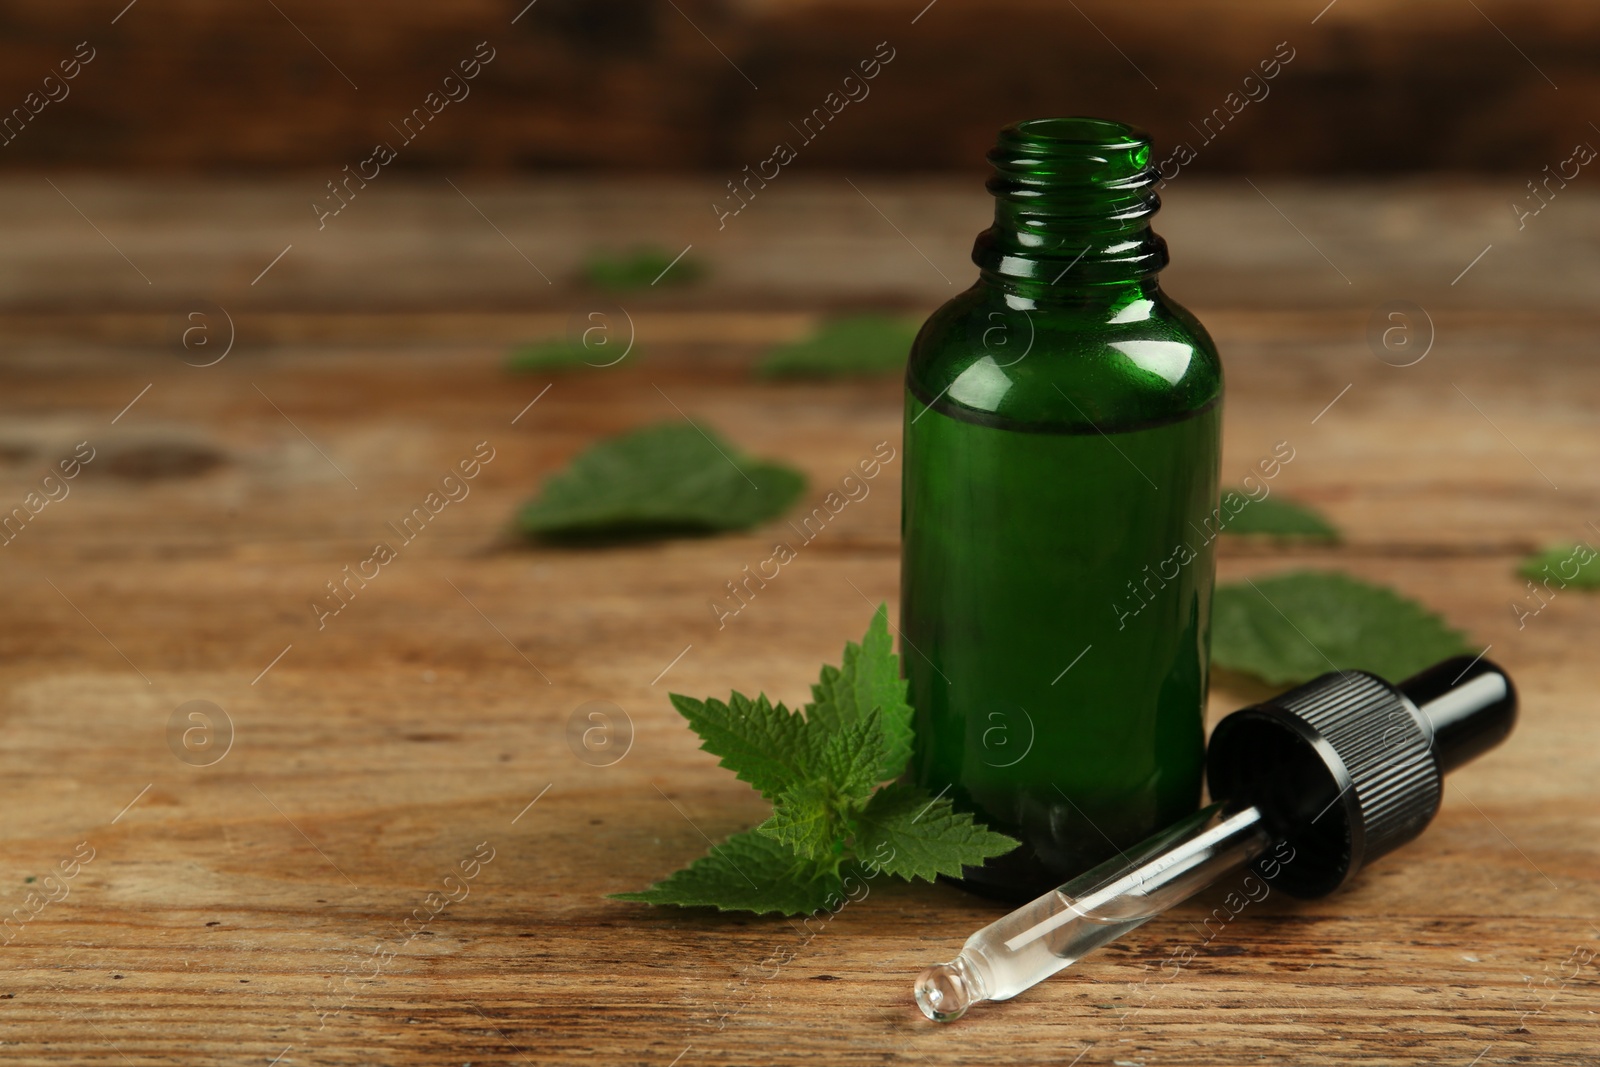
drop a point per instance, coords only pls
(945, 991)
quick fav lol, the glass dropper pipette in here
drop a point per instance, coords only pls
(1341, 770)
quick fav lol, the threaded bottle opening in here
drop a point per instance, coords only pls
(1096, 150)
(1077, 191)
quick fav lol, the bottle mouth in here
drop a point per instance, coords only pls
(1079, 130)
(1095, 152)
(1075, 192)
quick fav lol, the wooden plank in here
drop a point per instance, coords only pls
(166, 246)
(225, 907)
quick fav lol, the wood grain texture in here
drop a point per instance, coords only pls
(256, 908)
(409, 245)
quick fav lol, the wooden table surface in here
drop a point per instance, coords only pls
(252, 910)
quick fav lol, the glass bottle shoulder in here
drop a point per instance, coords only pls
(1140, 359)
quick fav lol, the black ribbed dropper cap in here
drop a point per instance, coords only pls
(1349, 767)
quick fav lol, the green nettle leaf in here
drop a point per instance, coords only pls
(805, 817)
(820, 773)
(1276, 517)
(748, 872)
(850, 346)
(1575, 565)
(870, 678)
(641, 268)
(850, 757)
(555, 355)
(760, 742)
(1292, 627)
(914, 835)
(667, 479)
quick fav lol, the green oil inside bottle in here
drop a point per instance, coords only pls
(1062, 437)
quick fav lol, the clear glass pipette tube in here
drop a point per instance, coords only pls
(1099, 906)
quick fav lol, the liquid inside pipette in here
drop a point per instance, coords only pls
(1059, 928)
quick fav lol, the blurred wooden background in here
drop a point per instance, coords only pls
(1374, 86)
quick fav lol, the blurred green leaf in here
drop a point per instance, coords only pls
(639, 268)
(1292, 627)
(854, 345)
(664, 480)
(1575, 565)
(1277, 517)
(551, 356)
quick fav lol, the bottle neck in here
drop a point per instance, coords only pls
(1073, 202)
(1063, 293)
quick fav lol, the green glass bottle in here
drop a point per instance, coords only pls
(1062, 440)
